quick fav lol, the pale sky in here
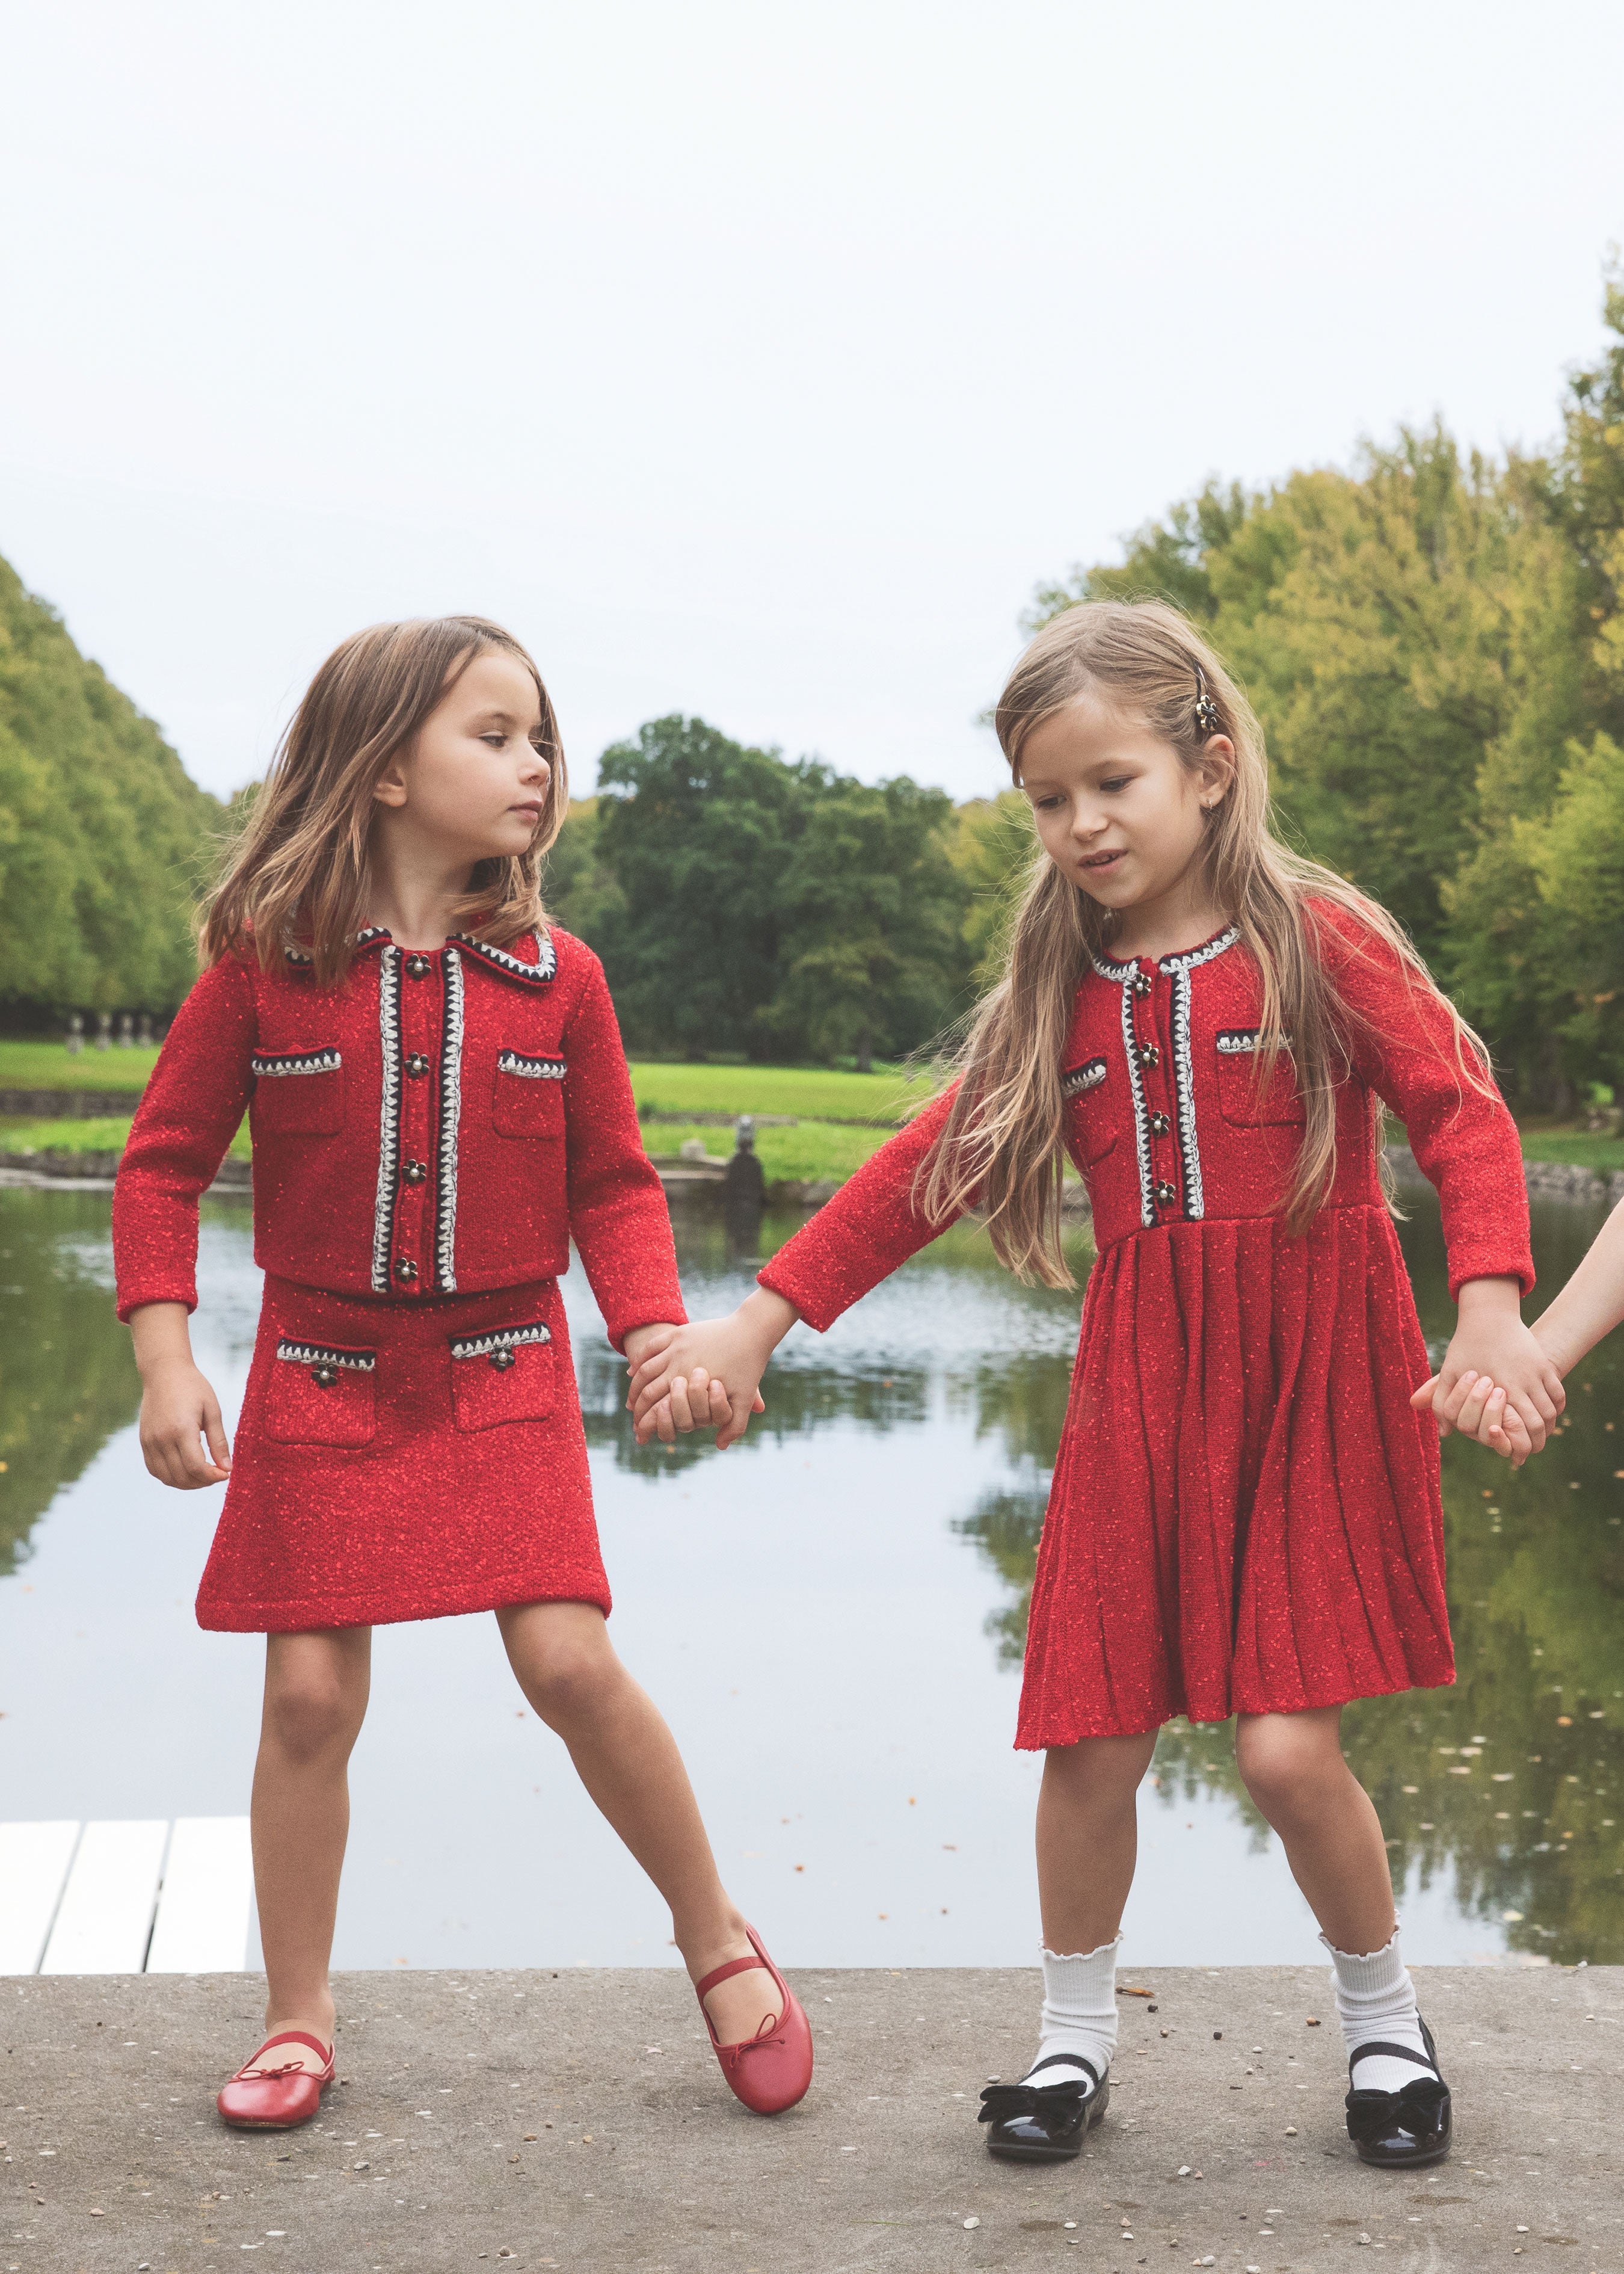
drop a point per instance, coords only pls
(749, 360)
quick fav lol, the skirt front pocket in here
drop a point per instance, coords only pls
(321, 1394)
(503, 1376)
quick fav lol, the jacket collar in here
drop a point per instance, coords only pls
(532, 961)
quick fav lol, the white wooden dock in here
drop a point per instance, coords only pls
(141, 1896)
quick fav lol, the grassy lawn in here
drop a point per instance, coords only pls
(47, 1065)
(1602, 1154)
(820, 1093)
(83, 1136)
(811, 1153)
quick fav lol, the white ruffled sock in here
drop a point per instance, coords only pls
(1080, 2014)
(1376, 2002)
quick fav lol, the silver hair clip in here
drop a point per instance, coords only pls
(1206, 709)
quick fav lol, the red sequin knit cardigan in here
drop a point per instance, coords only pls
(435, 1125)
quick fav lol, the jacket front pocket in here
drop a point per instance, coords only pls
(1086, 1104)
(1279, 1106)
(504, 1375)
(321, 1394)
(530, 1096)
(298, 1093)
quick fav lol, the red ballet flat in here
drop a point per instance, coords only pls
(269, 2097)
(770, 2071)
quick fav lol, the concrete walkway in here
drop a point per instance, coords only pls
(578, 2120)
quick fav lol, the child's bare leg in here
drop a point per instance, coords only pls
(1088, 1845)
(628, 1761)
(1293, 1767)
(316, 1688)
(1088, 1837)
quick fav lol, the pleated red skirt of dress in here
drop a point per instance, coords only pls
(1245, 1513)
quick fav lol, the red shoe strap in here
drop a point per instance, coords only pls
(296, 2037)
(701, 1989)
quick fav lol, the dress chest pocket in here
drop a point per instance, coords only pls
(1086, 1091)
(1279, 1105)
(321, 1394)
(504, 1375)
(298, 1093)
(528, 1099)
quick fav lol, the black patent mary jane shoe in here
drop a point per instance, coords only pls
(1044, 2123)
(1398, 2130)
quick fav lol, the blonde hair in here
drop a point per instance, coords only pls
(299, 872)
(1000, 1147)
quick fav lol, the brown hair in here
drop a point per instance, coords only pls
(1000, 1147)
(299, 871)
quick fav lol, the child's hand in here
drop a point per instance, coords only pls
(1495, 1376)
(708, 1375)
(1477, 1408)
(179, 1412)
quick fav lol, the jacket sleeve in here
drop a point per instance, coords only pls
(1460, 1130)
(618, 1217)
(869, 1227)
(188, 1115)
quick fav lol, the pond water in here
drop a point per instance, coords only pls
(830, 1615)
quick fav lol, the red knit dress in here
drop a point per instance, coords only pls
(1245, 1513)
(428, 1135)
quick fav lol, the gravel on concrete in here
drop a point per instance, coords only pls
(578, 2120)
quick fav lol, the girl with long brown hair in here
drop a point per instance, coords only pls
(439, 1103)
(1245, 1517)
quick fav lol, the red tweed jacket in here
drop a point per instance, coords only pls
(436, 1124)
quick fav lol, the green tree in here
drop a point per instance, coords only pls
(872, 912)
(695, 832)
(993, 848)
(580, 892)
(104, 839)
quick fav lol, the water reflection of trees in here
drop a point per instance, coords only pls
(67, 1378)
(1513, 1779)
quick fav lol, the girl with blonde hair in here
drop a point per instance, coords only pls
(1245, 1518)
(439, 1104)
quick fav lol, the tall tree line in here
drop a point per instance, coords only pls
(104, 837)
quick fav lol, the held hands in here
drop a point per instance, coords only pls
(705, 1376)
(1498, 1383)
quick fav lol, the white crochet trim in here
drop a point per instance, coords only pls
(544, 968)
(1082, 1078)
(532, 1069)
(357, 1361)
(450, 1116)
(1184, 1092)
(499, 1338)
(286, 1062)
(389, 1117)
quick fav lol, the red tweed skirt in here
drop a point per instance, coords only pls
(1246, 1514)
(404, 1462)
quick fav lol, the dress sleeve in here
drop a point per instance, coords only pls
(1461, 1134)
(618, 1217)
(869, 1227)
(188, 1115)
